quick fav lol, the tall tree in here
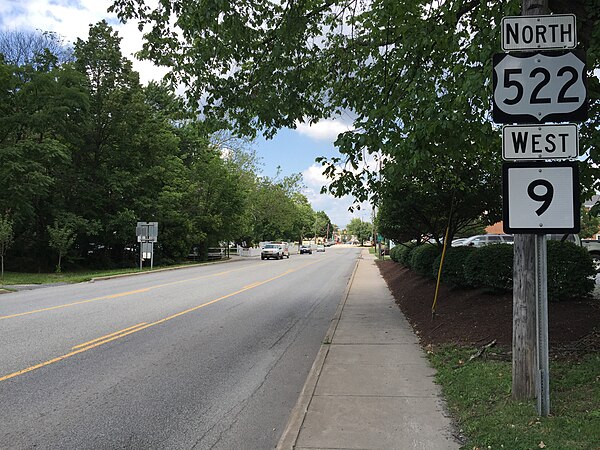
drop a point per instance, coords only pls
(362, 230)
(6, 240)
(416, 75)
(29, 47)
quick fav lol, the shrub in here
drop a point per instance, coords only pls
(453, 270)
(570, 271)
(422, 258)
(394, 252)
(404, 252)
(490, 267)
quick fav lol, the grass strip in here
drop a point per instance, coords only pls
(478, 394)
(12, 278)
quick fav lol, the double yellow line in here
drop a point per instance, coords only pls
(117, 295)
(139, 327)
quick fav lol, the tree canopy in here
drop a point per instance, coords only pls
(86, 151)
(415, 76)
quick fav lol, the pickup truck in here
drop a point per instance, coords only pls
(591, 245)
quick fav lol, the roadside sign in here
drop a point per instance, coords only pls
(147, 250)
(557, 32)
(534, 142)
(541, 197)
(539, 87)
(147, 231)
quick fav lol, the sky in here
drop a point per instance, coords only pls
(293, 151)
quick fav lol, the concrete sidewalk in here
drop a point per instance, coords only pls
(371, 386)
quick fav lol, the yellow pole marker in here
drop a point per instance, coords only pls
(141, 326)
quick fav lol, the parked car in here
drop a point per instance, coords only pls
(486, 239)
(593, 247)
(458, 242)
(274, 251)
(320, 248)
(305, 249)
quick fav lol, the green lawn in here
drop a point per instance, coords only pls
(478, 394)
(373, 251)
(11, 278)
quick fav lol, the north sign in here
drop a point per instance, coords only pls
(539, 87)
(541, 198)
(535, 142)
(556, 32)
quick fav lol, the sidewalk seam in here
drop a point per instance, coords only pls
(291, 432)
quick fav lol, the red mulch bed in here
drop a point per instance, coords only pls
(476, 317)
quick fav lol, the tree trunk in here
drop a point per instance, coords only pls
(524, 343)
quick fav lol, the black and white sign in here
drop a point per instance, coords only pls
(147, 231)
(557, 32)
(540, 87)
(535, 142)
(541, 198)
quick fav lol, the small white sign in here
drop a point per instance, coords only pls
(534, 142)
(541, 198)
(558, 31)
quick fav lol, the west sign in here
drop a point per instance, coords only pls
(535, 142)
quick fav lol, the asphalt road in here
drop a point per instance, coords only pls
(205, 357)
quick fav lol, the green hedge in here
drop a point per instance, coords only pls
(491, 267)
(453, 270)
(570, 268)
(394, 252)
(570, 271)
(404, 253)
(422, 258)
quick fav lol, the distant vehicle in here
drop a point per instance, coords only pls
(305, 249)
(320, 248)
(285, 248)
(486, 239)
(274, 251)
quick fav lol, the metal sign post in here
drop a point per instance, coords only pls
(541, 291)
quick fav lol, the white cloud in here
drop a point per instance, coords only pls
(324, 130)
(71, 20)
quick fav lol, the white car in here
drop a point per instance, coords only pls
(458, 242)
(320, 248)
(486, 239)
(274, 251)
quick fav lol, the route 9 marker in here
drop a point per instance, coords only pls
(541, 198)
(539, 87)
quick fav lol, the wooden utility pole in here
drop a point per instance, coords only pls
(524, 346)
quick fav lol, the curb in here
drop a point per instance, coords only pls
(292, 430)
(165, 269)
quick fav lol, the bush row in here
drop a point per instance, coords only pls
(570, 268)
